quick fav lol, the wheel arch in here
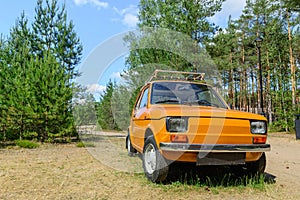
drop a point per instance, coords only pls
(148, 133)
(127, 137)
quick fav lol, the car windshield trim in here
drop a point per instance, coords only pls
(193, 94)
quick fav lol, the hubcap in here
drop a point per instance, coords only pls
(150, 159)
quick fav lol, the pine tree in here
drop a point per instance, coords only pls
(83, 107)
(50, 102)
(4, 74)
(258, 19)
(20, 37)
(36, 69)
(186, 17)
(105, 115)
(54, 34)
(173, 33)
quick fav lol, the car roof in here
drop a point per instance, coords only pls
(176, 76)
(174, 81)
(179, 81)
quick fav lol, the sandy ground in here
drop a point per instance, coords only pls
(283, 162)
(69, 172)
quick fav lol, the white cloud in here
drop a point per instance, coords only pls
(233, 7)
(128, 15)
(116, 75)
(129, 9)
(96, 88)
(130, 20)
(230, 7)
(97, 3)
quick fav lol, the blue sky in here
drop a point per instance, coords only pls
(98, 20)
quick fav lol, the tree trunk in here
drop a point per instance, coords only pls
(292, 63)
(230, 82)
(268, 92)
(253, 100)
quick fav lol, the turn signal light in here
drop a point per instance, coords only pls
(259, 140)
(179, 138)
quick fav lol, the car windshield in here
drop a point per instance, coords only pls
(185, 93)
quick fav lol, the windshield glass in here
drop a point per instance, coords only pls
(185, 93)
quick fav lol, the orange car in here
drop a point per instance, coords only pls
(185, 120)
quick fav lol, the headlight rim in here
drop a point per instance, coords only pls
(257, 132)
(176, 117)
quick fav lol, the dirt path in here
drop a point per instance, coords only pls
(69, 172)
(283, 161)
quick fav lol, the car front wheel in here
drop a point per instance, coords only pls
(154, 164)
(258, 167)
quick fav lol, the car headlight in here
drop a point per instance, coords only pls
(177, 124)
(258, 127)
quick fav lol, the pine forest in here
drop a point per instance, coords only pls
(39, 62)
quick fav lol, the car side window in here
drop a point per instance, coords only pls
(204, 95)
(144, 100)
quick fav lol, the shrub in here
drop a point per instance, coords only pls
(26, 144)
(85, 144)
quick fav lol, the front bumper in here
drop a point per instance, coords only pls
(214, 148)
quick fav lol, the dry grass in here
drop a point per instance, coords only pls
(68, 172)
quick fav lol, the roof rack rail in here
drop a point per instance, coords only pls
(176, 75)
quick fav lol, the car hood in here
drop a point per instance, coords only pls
(160, 111)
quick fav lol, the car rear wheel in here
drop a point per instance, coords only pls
(155, 165)
(130, 150)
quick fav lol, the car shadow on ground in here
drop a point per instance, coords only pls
(270, 178)
(188, 173)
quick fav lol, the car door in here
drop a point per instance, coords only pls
(139, 119)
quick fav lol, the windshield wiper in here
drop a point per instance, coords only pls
(201, 102)
(167, 101)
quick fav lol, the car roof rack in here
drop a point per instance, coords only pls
(159, 74)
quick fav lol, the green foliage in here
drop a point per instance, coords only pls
(83, 107)
(30, 135)
(84, 144)
(229, 180)
(186, 17)
(27, 144)
(172, 32)
(232, 49)
(80, 145)
(54, 34)
(159, 47)
(215, 184)
(236, 55)
(36, 87)
(122, 106)
(105, 115)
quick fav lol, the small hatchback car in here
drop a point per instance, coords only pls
(185, 120)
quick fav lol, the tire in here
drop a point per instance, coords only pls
(155, 165)
(130, 150)
(258, 167)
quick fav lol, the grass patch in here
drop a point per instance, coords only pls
(27, 144)
(216, 184)
(85, 144)
(255, 182)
